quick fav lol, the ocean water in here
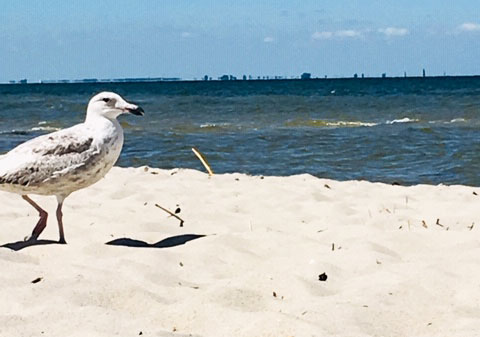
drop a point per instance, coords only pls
(404, 130)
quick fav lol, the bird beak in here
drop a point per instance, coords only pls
(133, 109)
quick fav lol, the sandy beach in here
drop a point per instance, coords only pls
(256, 256)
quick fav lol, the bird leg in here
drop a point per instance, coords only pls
(60, 222)
(42, 222)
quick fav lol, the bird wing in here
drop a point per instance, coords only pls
(48, 157)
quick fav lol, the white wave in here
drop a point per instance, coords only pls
(44, 128)
(327, 123)
(42, 122)
(214, 125)
(27, 131)
(402, 120)
(352, 124)
(455, 120)
(13, 132)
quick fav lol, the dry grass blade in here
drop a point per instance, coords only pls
(171, 213)
(203, 160)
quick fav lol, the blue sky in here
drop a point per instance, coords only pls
(111, 39)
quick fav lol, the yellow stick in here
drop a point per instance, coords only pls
(171, 213)
(203, 160)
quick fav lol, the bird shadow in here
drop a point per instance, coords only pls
(169, 242)
(172, 241)
(19, 245)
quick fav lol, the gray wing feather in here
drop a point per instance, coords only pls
(47, 157)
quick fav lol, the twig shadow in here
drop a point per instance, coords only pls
(172, 241)
(19, 245)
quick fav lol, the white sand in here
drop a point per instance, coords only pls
(388, 275)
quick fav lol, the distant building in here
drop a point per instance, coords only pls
(423, 73)
(24, 81)
(227, 78)
(141, 79)
(306, 76)
(384, 75)
(174, 79)
(244, 77)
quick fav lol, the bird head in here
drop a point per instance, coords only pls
(111, 105)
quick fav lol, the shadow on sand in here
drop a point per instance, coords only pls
(126, 242)
(19, 245)
(165, 243)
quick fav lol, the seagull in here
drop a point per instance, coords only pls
(67, 160)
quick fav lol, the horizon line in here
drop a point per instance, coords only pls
(229, 78)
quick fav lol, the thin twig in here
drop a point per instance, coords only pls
(172, 214)
(203, 160)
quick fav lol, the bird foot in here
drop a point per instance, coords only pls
(30, 238)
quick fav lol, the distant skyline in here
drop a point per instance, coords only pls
(52, 40)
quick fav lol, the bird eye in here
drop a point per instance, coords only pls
(106, 100)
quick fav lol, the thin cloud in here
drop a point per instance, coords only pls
(393, 31)
(348, 33)
(186, 35)
(268, 39)
(469, 27)
(326, 35)
(322, 35)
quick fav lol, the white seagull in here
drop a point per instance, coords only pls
(67, 160)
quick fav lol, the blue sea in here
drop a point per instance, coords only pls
(392, 130)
